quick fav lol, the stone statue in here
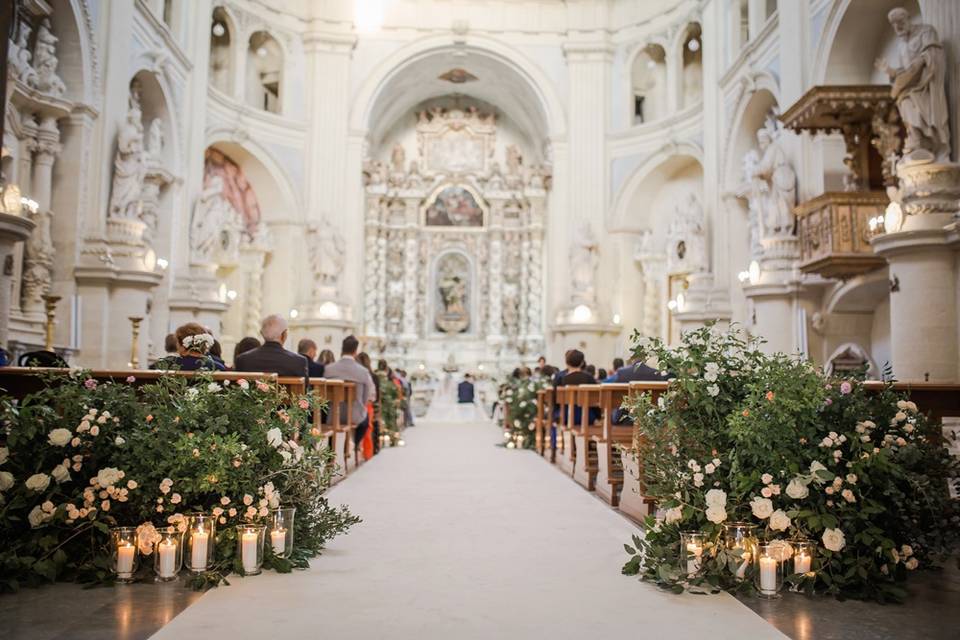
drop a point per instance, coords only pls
(919, 87)
(38, 259)
(213, 217)
(584, 258)
(753, 190)
(687, 238)
(775, 171)
(155, 139)
(326, 259)
(129, 164)
(495, 181)
(414, 177)
(452, 294)
(398, 158)
(19, 57)
(514, 160)
(46, 62)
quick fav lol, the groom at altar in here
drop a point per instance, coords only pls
(347, 368)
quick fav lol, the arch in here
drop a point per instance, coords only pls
(648, 84)
(263, 85)
(156, 101)
(657, 168)
(72, 24)
(691, 68)
(374, 89)
(222, 64)
(855, 350)
(273, 187)
(850, 26)
(860, 294)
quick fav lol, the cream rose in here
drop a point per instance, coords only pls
(672, 515)
(4, 454)
(38, 482)
(6, 480)
(761, 507)
(59, 437)
(779, 520)
(108, 476)
(61, 474)
(716, 498)
(716, 515)
(833, 539)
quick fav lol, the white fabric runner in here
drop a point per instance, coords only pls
(464, 540)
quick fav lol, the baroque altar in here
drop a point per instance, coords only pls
(454, 245)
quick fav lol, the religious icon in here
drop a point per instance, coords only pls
(454, 206)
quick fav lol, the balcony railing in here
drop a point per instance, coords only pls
(834, 233)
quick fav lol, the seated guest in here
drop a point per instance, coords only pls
(271, 357)
(193, 351)
(601, 373)
(636, 371)
(465, 390)
(170, 344)
(216, 352)
(347, 368)
(308, 349)
(576, 375)
(617, 365)
(591, 371)
(326, 357)
(246, 344)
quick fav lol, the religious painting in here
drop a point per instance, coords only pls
(235, 188)
(452, 281)
(454, 206)
(456, 152)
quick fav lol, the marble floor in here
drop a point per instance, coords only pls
(462, 539)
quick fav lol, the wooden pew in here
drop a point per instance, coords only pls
(609, 479)
(586, 397)
(543, 423)
(566, 397)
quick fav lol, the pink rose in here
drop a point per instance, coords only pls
(131, 379)
(845, 387)
(90, 383)
(303, 403)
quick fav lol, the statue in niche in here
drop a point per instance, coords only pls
(216, 227)
(687, 238)
(236, 189)
(155, 139)
(919, 87)
(398, 158)
(495, 181)
(19, 57)
(753, 189)
(414, 177)
(774, 184)
(584, 258)
(325, 243)
(514, 160)
(130, 162)
(452, 315)
(46, 62)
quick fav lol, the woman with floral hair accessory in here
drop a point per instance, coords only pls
(193, 350)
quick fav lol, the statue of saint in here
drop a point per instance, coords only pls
(326, 259)
(774, 169)
(216, 226)
(514, 160)
(129, 164)
(687, 238)
(584, 258)
(452, 292)
(398, 158)
(919, 86)
(19, 57)
(46, 62)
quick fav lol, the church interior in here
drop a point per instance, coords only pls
(466, 192)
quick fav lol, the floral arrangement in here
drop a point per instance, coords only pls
(82, 455)
(201, 343)
(802, 457)
(390, 408)
(519, 398)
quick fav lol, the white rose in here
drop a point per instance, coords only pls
(761, 507)
(852, 478)
(59, 437)
(766, 492)
(120, 441)
(213, 387)
(911, 406)
(848, 495)
(247, 499)
(286, 455)
(672, 515)
(709, 468)
(716, 515)
(698, 479)
(108, 476)
(911, 564)
(38, 482)
(833, 539)
(766, 478)
(900, 417)
(275, 437)
(906, 550)
(779, 520)
(797, 489)
(37, 517)
(61, 474)
(713, 391)
(4, 454)
(716, 498)
(6, 480)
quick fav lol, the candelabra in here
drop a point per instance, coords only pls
(135, 341)
(50, 307)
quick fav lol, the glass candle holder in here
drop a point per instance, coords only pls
(692, 544)
(201, 530)
(740, 535)
(803, 554)
(769, 576)
(168, 554)
(250, 547)
(123, 552)
(281, 531)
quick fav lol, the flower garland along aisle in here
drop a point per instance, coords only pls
(746, 448)
(81, 456)
(519, 396)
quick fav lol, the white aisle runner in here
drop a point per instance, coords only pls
(464, 540)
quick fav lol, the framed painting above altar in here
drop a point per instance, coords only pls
(454, 206)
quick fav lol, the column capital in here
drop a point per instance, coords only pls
(588, 51)
(329, 42)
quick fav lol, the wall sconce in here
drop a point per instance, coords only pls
(616, 318)
(893, 218)
(294, 313)
(329, 310)
(219, 29)
(582, 314)
(754, 272)
(231, 294)
(163, 263)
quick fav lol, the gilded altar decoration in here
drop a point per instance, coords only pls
(454, 206)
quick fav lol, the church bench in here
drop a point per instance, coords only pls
(543, 424)
(566, 400)
(609, 480)
(586, 398)
(338, 424)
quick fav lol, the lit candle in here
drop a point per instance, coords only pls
(198, 553)
(125, 556)
(248, 544)
(801, 563)
(278, 538)
(168, 559)
(742, 569)
(693, 564)
(768, 575)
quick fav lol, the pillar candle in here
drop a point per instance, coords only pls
(278, 538)
(768, 575)
(125, 555)
(801, 563)
(168, 559)
(248, 546)
(198, 553)
(693, 564)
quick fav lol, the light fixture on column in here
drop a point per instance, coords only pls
(693, 45)
(231, 294)
(163, 263)
(754, 272)
(893, 218)
(294, 313)
(743, 276)
(616, 318)
(329, 310)
(582, 314)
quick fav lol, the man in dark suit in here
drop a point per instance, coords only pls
(308, 349)
(465, 390)
(271, 357)
(575, 375)
(634, 372)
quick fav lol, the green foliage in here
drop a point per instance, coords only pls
(390, 409)
(801, 455)
(150, 455)
(519, 397)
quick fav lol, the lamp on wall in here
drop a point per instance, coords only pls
(754, 272)
(219, 29)
(693, 45)
(582, 314)
(294, 313)
(893, 218)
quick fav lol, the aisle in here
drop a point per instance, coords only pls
(462, 540)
